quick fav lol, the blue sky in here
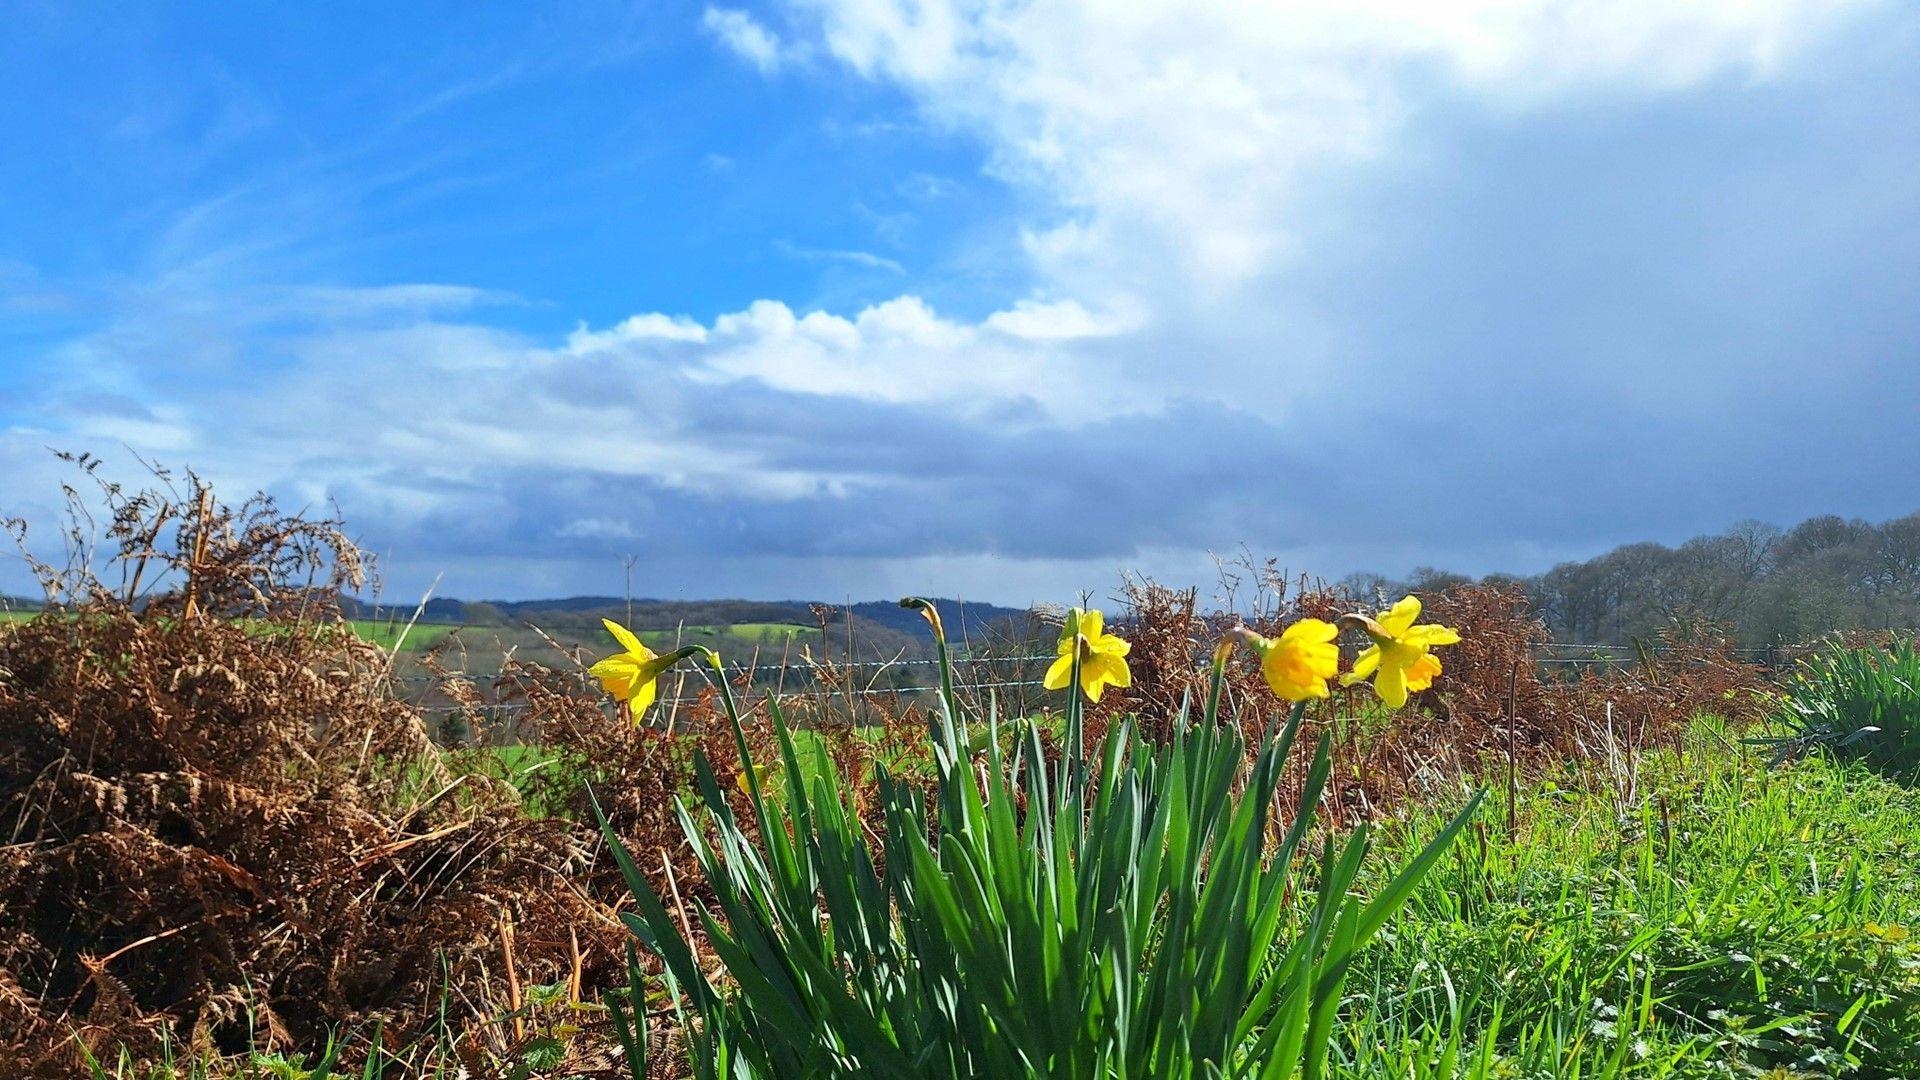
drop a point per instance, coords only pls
(858, 297)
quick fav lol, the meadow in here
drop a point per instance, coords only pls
(388, 634)
(420, 637)
(424, 637)
(1278, 842)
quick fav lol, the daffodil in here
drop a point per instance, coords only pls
(1298, 663)
(1401, 659)
(1102, 656)
(761, 774)
(631, 675)
(1892, 933)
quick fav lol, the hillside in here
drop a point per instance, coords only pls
(880, 619)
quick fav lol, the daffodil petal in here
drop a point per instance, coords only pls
(1060, 674)
(1363, 664)
(1296, 674)
(624, 636)
(617, 674)
(1401, 616)
(1422, 672)
(1070, 630)
(617, 666)
(1311, 630)
(1432, 634)
(643, 696)
(1391, 685)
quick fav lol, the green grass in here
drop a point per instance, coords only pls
(761, 632)
(766, 631)
(1727, 921)
(382, 632)
(385, 633)
(1724, 920)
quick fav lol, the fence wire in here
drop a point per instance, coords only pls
(815, 687)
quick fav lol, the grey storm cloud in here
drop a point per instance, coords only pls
(926, 485)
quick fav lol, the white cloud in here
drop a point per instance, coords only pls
(747, 39)
(1179, 137)
(900, 351)
(637, 330)
(1059, 320)
(357, 302)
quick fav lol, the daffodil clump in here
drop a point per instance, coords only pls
(1036, 910)
(1297, 665)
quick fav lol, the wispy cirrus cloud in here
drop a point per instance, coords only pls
(864, 259)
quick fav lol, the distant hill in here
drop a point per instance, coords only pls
(878, 624)
(964, 620)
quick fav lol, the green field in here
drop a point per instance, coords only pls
(381, 632)
(386, 633)
(762, 632)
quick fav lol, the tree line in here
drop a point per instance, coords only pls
(1767, 585)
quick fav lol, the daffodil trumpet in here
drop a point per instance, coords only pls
(1400, 661)
(1297, 663)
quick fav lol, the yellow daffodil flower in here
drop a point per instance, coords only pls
(1102, 656)
(1298, 663)
(630, 675)
(1400, 660)
(761, 774)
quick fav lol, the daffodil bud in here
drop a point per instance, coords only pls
(928, 612)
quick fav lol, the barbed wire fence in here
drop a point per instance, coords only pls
(1017, 680)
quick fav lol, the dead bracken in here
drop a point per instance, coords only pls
(221, 821)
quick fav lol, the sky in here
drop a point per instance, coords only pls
(856, 298)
